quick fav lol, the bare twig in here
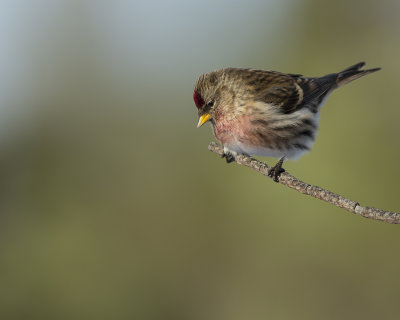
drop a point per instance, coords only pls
(315, 191)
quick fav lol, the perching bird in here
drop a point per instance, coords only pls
(266, 113)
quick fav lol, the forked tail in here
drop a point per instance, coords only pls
(353, 73)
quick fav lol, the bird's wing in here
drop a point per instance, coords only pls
(290, 92)
(315, 90)
(278, 89)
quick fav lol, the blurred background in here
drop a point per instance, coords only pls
(113, 208)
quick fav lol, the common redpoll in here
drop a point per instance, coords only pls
(266, 113)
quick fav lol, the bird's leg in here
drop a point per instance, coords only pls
(276, 170)
(229, 157)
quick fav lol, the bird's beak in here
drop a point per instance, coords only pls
(203, 119)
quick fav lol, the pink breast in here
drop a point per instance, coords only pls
(229, 129)
(239, 129)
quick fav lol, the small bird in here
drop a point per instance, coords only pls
(266, 113)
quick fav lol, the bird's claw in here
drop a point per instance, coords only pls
(229, 157)
(276, 170)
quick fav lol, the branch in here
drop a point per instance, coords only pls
(314, 191)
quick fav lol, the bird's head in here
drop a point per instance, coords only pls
(206, 96)
(205, 109)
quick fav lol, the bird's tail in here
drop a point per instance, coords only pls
(353, 73)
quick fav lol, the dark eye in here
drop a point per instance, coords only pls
(211, 103)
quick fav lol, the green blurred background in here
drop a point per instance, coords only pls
(112, 207)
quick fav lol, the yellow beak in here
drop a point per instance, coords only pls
(203, 119)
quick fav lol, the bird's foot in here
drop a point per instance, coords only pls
(229, 157)
(276, 170)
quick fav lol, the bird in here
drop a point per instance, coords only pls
(266, 113)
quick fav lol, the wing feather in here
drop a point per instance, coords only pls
(290, 93)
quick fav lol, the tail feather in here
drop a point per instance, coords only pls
(352, 73)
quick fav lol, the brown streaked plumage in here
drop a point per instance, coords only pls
(266, 113)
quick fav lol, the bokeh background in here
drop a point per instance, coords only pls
(111, 206)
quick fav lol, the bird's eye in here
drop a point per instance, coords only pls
(210, 104)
